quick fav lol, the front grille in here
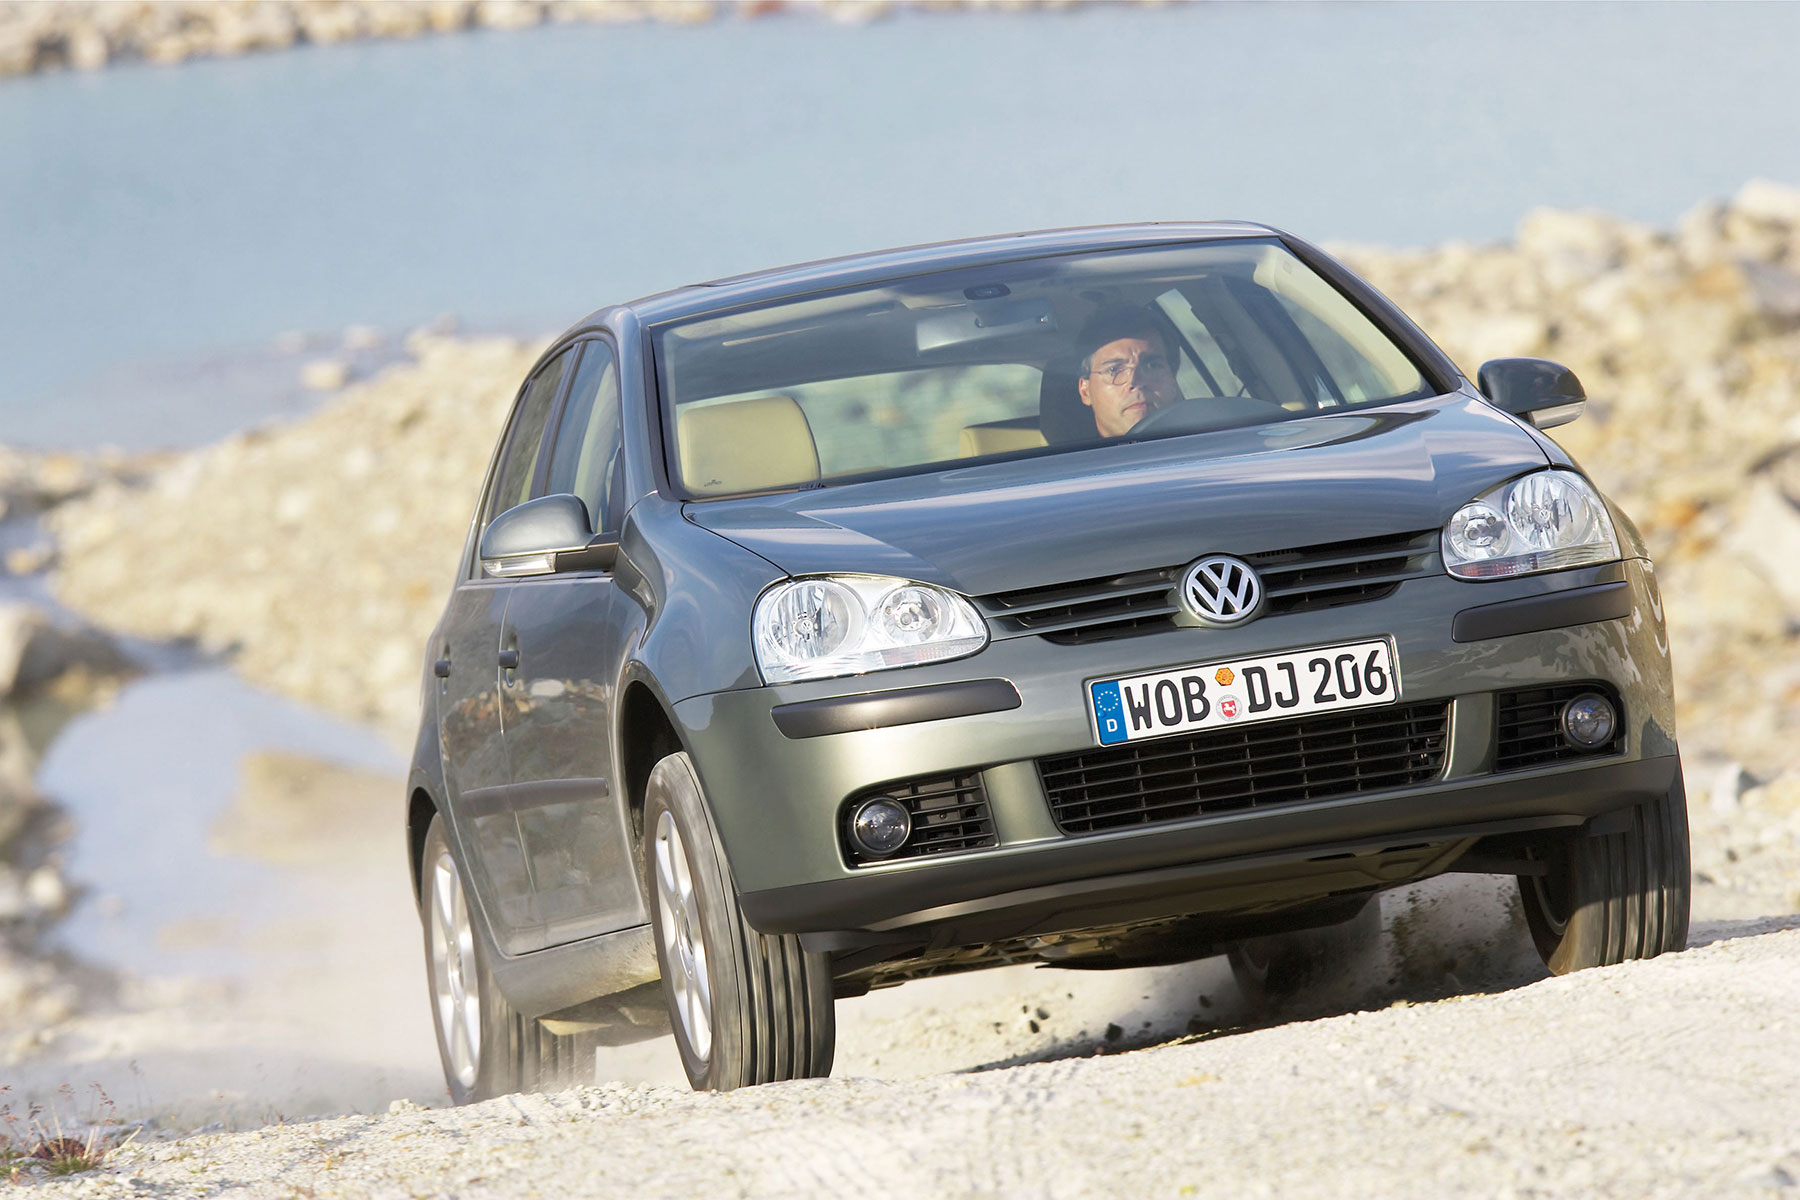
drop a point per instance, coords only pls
(1247, 766)
(1296, 580)
(1530, 726)
(949, 815)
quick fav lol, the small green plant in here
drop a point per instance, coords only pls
(41, 1141)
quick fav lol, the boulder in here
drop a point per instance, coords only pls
(1768, 536)
(36, 651)
(1777, 203)
(325, 375)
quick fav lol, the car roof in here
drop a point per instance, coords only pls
(849, 270)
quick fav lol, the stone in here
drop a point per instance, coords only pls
(446, 16)
(46, 891)
(1770, 201)
(325, 375)
(87, 48)
(1768, 535)
(1700, 234)
(397, 20)
(18, 50)
(29, 560)
(1567, 247)
(1722, 786)
(1780, 795)
(508, 14)
(327, 21)
(1505, 335)
(1729, 594)
(1774, 291)
(34, 651)
(19, 625)
(15, 905)
(363, 337)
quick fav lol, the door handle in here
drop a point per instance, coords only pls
(509, 660)
(441, 668)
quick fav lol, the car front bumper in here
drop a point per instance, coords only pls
(776, 796)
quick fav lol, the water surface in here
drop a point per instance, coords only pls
(163, 221)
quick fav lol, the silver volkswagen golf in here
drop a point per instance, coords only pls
(1096, 598)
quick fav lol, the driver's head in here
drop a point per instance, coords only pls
(1127, 369)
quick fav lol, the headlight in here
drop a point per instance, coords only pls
(1540, 522)
(848, 624)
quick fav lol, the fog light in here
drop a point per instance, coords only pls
(1588, 721)
(880, 826)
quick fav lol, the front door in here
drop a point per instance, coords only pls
(470, 718)
(557, 709)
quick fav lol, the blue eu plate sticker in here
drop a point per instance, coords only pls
(1109, 713)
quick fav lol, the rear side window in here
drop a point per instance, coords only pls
(585, 461)
(525, 441)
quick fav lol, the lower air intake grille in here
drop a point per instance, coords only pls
(949, 815)
(1249, 766)
(1530, 733)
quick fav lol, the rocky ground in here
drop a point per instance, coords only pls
(40, 35)
(1445, 1064)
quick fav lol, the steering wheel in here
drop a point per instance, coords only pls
(1214, 412)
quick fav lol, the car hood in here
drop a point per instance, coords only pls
(1126, 507)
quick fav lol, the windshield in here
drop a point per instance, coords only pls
(1039, 356)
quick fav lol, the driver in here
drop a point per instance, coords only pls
(1127, 371)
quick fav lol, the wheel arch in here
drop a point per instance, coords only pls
(647, 734)
(420, 809)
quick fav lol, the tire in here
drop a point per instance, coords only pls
(1616, 896)
(1274, 968)
(486, 1047)
(745, 1008)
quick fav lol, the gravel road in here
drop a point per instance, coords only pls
(1674, 1077)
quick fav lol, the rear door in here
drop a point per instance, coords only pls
(469, 688)
(557, 707)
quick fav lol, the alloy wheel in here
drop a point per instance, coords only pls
(454, 974)
(1552, 889)
(678, 926)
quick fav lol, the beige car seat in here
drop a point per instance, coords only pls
(745, 446)
(998, 437)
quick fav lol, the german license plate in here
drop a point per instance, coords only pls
(1244, 691)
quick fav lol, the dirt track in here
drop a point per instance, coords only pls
(1676, 1077)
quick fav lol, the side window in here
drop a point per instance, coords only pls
(585, 460)
(525, 442)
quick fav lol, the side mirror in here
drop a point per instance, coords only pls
(539, 537)
(1545, 393)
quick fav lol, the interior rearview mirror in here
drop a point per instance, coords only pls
(1543, 392)
(551, 533)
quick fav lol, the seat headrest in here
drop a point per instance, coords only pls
(1061, 414)
(745, 446)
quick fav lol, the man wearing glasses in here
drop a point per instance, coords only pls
(1127, 371)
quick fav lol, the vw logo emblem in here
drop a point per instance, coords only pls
(1220, 590)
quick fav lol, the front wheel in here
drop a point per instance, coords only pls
(488, 1049)
(1277, 967)
(1605, 899)
(745, 1008)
